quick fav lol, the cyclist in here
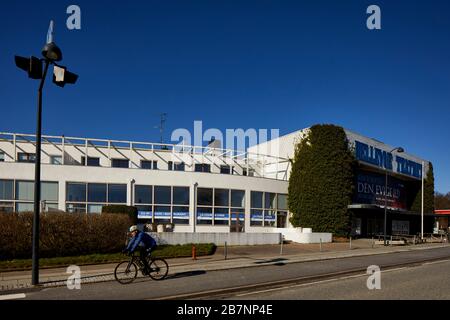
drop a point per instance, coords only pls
(145, 243)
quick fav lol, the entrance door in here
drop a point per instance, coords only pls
(281, 219)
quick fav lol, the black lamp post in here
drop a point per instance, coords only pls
(51, 53)
(399, 150)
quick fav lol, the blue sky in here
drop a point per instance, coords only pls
(237, 64)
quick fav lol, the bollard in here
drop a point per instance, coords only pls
(350, 243)
(320, 244)
(281, 247)
(225, 250)
(390, 242)
(373, 242)
(194, 252)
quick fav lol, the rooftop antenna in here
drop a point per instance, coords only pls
(162, 121)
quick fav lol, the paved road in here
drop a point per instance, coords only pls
(201, 281)
(425, 282)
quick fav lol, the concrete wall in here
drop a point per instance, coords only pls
(305, 235)
(232, 239)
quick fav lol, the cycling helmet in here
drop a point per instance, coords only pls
(133, 228)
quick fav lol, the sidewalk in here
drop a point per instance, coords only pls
(237, 257)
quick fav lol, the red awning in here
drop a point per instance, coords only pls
(446, 211)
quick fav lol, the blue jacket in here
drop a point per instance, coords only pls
(141, 237)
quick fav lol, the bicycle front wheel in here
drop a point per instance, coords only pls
(158, 269)
(125, 272)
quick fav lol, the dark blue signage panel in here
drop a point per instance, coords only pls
(383, 159)
(370, 189)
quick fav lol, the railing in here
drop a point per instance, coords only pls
(258, 163)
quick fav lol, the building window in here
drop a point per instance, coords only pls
(143, 194)
(6, 190)
(91, 197)
(176, 166)
(76, 207)
(25, 190)
(179, 166)
(217, 206)
(162, 195)
(204, 215)
(204, 196)
(225, 169)
(268, 209)
(56, 160)
(91, 161)
(49, 191)
(7, 207)
(221, 197)
(162, 214)
(117, 193)
(202, 167)
(282, 202)
(181, 195)
(2, 157)
(149, 164)
(97, 192)
(24, 195)
(26, 157)
(24, 206)
(170, 204)
(76, 192)
(120, 163)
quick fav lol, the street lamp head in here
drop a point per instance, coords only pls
(400, 150)
(52, 52)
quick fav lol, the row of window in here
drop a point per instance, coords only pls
(125, 163)
(18, 195)
(163, 204)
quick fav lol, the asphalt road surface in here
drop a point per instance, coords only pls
(427, 281)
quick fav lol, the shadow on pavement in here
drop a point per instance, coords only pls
(278, 260)
(186, 274)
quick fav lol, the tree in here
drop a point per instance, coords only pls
(441, 201)
(428, 200)
(321, 181)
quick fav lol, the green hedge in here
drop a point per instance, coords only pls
(62, 234)
(131, 211)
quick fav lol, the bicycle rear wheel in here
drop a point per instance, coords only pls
(125, 272)
(158, 269)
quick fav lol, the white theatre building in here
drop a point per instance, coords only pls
(198, 189)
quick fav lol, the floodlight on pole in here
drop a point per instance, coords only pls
(33, 66)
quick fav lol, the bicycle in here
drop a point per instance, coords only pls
(126, 271)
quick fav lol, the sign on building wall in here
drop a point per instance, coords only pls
(370, 189)
(384, 159)
(400, 227)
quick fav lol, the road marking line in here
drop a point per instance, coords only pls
(315, 282)
(435, 262)
(300, 285)
(13, 296)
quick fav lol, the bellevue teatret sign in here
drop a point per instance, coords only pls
(384, 159)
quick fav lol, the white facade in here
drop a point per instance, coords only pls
(118, 172)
